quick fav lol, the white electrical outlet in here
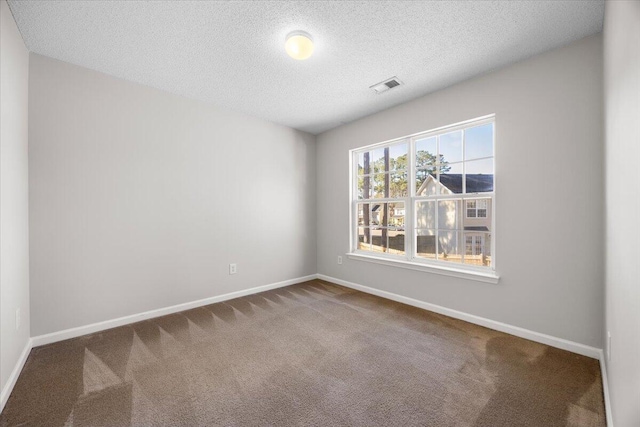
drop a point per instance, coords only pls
(18, 319)
(609, 346)
(233, 268)
(339, 259)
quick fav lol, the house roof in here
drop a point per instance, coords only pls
(476, 228)
(476, 183)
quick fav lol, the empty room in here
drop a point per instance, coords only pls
(320, 213)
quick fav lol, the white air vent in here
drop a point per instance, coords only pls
(386, 85)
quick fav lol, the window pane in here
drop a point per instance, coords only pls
(385, 214)
(478, 142)
(426, 183)
(426, 244)
(395, 240)
(398, 156)
(426, 214)
(451, 179)
(478, 218)
(477, 249)
(378, 244)
(477, 231)
(378, 211)
(363, 163)
(364, 186)
(380, 188)
(364, 239)
(364, 214)
(426, 151)
(378, 159)
(487, 249)
(449, 214)
(396, 211)
(450, 245)
(479, 176)
(451, 147)
(398, 186)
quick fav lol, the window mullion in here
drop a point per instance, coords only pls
(437, 244)
(353, 215)
(463, 201)
(464, 165)
(409, 228)
(437, 203)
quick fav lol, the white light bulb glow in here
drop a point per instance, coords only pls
(299, 45)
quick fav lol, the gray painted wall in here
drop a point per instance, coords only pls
(14, 206)
(140, 199)
(549, 181)
(622, 285)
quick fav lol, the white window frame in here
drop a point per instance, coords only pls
(409, 260)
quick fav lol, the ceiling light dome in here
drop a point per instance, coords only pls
(299, 45)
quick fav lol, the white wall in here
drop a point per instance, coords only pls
(549, 181)
(140, 199)
(14, 207)
(622, 132)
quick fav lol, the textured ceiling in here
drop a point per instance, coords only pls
(231, 54)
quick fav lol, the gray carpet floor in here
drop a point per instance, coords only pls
(309, 354)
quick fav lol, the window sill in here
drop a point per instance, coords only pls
(480, 276)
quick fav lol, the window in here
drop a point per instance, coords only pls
(477, 208)
(427, 199)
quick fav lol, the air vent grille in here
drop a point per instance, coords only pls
(391, 84)
(386, 85)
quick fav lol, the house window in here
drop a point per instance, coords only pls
(427, 198)
(474, 245)
(476, 208)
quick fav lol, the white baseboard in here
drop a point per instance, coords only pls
(13, 378)
(605, 389)
(113, 323)
(561, 343)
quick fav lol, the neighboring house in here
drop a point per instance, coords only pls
(463, 226)
(460, 226)
(396, 215)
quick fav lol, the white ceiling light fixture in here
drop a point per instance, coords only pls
(299, 45)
